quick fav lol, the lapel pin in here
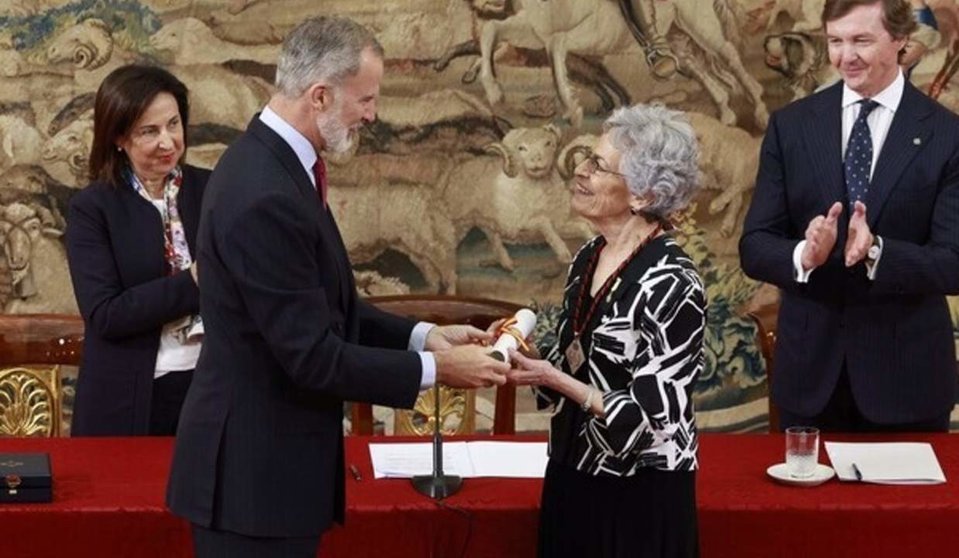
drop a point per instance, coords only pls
(916, 141)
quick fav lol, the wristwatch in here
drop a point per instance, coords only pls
(874, 251)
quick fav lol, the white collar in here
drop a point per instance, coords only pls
(888, 97)
(301, 146)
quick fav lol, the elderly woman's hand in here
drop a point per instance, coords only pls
(528, 371)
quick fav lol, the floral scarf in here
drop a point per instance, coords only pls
(176, 250)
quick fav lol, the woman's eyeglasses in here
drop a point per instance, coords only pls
(594, 163)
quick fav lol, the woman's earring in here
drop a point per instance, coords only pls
(119, 149)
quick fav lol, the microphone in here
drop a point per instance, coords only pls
(438, 485)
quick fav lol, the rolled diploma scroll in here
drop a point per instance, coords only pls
(520, 326)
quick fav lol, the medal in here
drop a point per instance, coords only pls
(574, 355)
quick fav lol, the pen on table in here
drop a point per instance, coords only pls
(354, 470)
(857, 472)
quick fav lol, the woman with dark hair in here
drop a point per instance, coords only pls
(131, 247)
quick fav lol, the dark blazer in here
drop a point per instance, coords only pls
(115, 250)
(259, 450)
(893, 333)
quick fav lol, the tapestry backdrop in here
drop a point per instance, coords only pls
(460, 185)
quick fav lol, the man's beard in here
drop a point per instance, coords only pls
(338, 137)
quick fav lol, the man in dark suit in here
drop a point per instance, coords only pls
(855, 217)
(258, 463)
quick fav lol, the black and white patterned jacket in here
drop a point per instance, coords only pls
(644, 349)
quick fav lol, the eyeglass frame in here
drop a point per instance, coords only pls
(593, 167)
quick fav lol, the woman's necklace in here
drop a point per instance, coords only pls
(575, 356)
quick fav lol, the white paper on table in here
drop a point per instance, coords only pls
(521, 460)
(403, 460)
(886, 462)
(464, 459)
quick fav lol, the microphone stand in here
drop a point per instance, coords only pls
(437, 485)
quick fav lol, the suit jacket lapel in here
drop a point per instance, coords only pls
(345, 269)
(822, 134)
(577, 279)
(148, 240)
(304, 185)
(284, 153)
(189, 211)
(631, 274)
(907, 135)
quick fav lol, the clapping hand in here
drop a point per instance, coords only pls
(860, 238)
(821, 238)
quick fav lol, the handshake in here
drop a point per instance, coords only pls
(464, 357)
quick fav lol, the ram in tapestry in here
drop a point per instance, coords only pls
(460, 186)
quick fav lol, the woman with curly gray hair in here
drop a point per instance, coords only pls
(621, 473)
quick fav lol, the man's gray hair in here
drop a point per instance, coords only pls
(659, 156)
(322, 49)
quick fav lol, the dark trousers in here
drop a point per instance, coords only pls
(211, 543)
(841, 414)
(169, 393)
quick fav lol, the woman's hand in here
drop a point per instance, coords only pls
(528, 371)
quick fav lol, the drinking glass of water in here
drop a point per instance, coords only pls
(802, 451)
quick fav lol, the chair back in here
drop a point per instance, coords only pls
(765, 319)
(33, 347)
(445, 310)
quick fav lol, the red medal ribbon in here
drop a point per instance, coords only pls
(579, 326)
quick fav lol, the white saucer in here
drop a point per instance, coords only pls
(819, 476)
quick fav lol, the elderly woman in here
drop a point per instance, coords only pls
(622, 452)
(130, 245)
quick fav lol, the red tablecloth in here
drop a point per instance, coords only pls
(109, 502)
(743, 514)
(486, 518)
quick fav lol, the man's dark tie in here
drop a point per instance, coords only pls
(858, 163)
(319, 173)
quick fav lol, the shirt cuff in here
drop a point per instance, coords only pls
(418, 336)
(799, 274)
(428, 379)
(872, 266)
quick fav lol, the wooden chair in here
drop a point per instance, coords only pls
(33, 347)
(443, 310)
(765, 319)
